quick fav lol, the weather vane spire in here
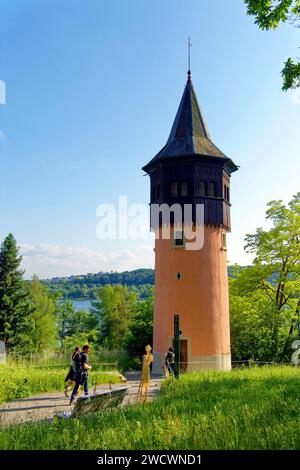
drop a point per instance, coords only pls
(189, 57)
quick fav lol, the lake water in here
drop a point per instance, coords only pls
(81, 304)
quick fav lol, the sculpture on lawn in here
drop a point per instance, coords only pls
(145, 375)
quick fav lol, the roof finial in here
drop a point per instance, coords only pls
(189, 49)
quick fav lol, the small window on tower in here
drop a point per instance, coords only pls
(158, 191)
(212, 189)
(174, 189)
(228, 194)
(184, 190)
(202, 188)
(178, 238)
(225, 193)
(224, 241)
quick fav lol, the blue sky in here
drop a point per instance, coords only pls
(92, 91)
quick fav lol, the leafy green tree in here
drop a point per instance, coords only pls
(44, 327)
(15, 310)
(113, 311)
(72, 323)
(252, 321)
(79, 339)
(276, 267)
(140, 331)
(268, 15)
(65, 317)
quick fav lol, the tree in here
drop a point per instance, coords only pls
(113, 311)
(252, 320)
(65, 319)
(75, 327)
(140, 331)
(44, 328)
(15, 310)
(79, 339)
(268, 15)
(276, 267)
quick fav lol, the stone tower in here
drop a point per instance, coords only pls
(191, 170)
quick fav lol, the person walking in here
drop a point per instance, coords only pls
(170, 361)
(71, 377)
(82, 368)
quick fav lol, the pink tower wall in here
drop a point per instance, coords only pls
(200, 297)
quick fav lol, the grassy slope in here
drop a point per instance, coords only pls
(256, 408)
(21, 382)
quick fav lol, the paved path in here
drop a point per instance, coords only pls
(46, 405)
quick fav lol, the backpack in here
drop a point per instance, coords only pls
(81, 373)
(78, 363)
(170, 357)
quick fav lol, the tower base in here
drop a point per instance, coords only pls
(219, 362)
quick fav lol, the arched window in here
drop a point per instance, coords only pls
(184, 189)
(228, 194)
(174, 189)
(212, 189)
(224, 241)
(203, 188)
(178, 241)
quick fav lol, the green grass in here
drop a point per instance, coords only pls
(256, 408)
(62, 357)
(24, 381)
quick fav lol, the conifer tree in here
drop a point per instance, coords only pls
(15, 310)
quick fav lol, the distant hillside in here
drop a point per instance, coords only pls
(85, 286)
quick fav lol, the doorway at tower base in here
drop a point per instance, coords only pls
(219, 362)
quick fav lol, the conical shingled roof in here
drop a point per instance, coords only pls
(189, 135)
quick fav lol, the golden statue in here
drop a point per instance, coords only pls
(145, 375)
